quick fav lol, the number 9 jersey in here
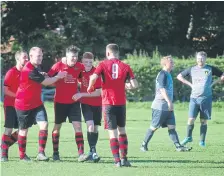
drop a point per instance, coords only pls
(115, 74)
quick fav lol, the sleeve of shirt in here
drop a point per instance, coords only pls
(130, 74)
(161, 79)
(36, 76)
(98, 83)
(99, 69)
(186, 72)
(216, 71)
(8, 81)
(53, 71)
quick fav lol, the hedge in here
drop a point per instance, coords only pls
(146, 70)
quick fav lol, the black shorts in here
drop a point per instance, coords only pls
(27, 118)
(11, 120)
(92, 113)
(62, 111)
(114, 116)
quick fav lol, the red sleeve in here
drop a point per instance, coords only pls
(99, 69)
(8, 81)
(98, 83)
(130, 72)
(54, 70)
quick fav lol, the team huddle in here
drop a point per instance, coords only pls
(95, 92)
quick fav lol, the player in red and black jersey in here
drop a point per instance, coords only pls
(29, 107)
(91, 105)
(115, 74)
(64, 105)
(11, 84)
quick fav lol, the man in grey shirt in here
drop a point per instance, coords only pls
(201, 94)
(162, 106)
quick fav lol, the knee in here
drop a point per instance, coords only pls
(96, 129)
(90, 126)
(43, 125)
(153, 128)
(8, 131)
(203, 122)
(121, 130)
(191, 121)
(77, 126)
(56, 128)
(171, 127)
(23, 132)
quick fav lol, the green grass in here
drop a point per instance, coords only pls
(161, 159)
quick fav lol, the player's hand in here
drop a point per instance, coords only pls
(222, 78)
(90, 89)
(77, 96)
(61, 74)
(170, 106)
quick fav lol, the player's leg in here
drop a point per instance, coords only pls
(193, 113)
(111, 124)
(97, 117)
(88, 116)
(75, 118)
(42, 121)
(61, 113)
(123, 139)
(9, 138)
(205, 114)
(155, 124)
(171, 124)
(25, 120)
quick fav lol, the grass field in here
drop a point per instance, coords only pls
(161, 159)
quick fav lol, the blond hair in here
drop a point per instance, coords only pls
(113, 48)
(34, 49)
(202, 53)
(164, 60)
(18, 53)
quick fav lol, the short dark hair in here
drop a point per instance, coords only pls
(73, 49)
(88, 55)
(18, 53)
(113, 48)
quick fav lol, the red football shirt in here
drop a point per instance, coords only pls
(28, 95)
(67, 87)
(93, 101)
(12, 82)
(114, 74)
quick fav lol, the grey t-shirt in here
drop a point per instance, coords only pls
(201, 79)
(163, 80)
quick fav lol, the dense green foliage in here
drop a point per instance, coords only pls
(146, 70)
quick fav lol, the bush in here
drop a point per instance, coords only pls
(146, 70)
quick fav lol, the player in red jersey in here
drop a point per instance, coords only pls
(29, 107)
(91, 105)
(64, 105)
(114, 74)
(11, 84)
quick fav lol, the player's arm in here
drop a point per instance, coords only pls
(217, 72)
(92, 81)
(35, 75)
(181, 77)
(8, 92)
(162, 81)
(133, 83)
(8, 81)
(95, 93)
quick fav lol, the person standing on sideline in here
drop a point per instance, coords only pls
(201, 94)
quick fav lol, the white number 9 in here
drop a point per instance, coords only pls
(114, 71)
